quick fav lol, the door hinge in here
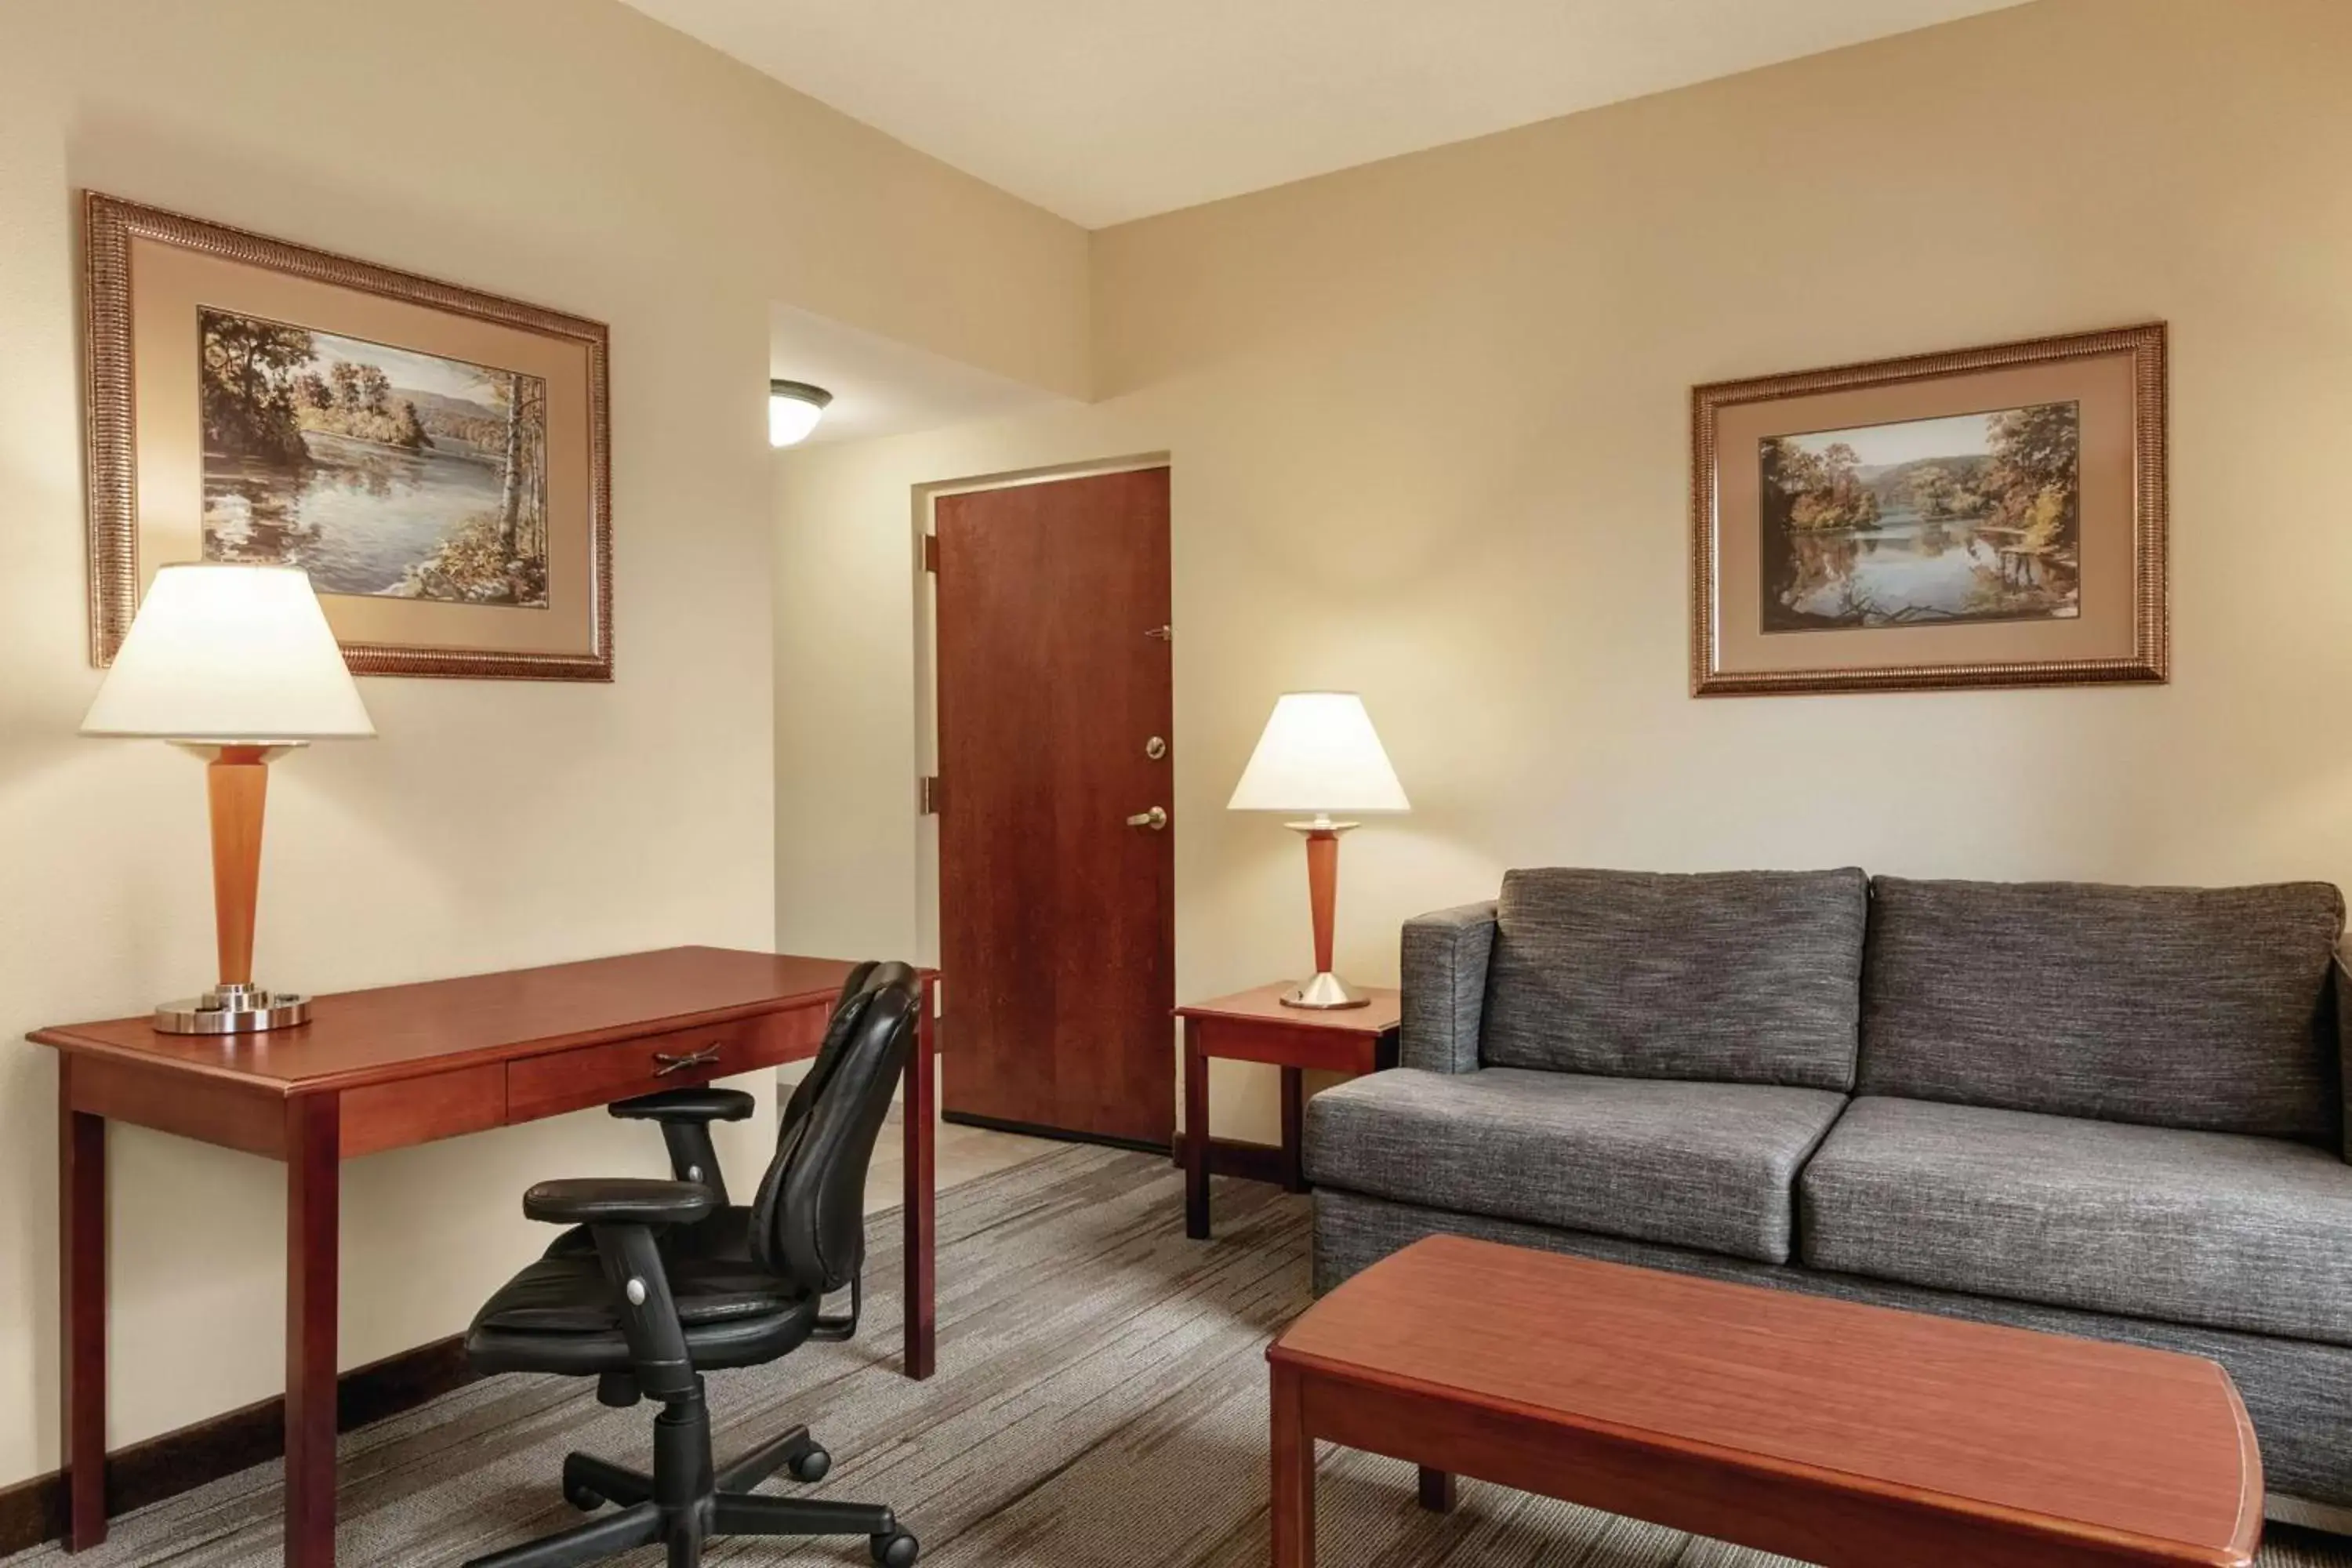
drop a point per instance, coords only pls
(928, 796)
(930, 553)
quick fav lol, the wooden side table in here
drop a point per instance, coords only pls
(1254, 1026)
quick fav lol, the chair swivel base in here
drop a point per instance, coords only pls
(723, 1505)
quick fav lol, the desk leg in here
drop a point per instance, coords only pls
(81, 1233)
(313, 1191)
(1293, 1510)
(921, 1116)
(1196, 1134)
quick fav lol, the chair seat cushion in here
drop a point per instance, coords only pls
(561, 1313)
(569, 1294)
(1705, 1165)
(2218, 1229)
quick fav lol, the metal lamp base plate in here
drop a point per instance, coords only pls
(1325, 991)
(233, 1010)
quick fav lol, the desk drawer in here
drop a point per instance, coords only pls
(598, 1075)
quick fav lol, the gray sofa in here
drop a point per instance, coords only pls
(2109, 1111)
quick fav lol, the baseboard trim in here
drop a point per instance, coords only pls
(34, 1511)
(1062, 1134)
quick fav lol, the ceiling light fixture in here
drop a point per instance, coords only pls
(794, 409)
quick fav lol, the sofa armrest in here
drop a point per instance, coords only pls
(2339, 1002)
(1444, 969)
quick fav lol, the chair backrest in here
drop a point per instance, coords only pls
(797, 1109)
(808, 1222)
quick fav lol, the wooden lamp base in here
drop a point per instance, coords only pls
(238, 780)
(1326, 990)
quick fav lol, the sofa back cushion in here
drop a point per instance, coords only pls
(2195, 1007)
(1738, 977)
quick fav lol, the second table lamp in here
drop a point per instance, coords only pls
(1319, 754)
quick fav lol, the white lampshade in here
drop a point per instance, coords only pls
(1319, 753)
(227, 655)
(794, 409)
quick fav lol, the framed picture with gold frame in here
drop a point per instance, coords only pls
(436, 458)
(1990, 517)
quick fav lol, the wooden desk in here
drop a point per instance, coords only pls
(408, 1064)
(1254, 1026)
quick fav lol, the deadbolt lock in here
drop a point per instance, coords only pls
(1155, 748)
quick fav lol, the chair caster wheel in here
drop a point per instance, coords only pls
(897, 1550)
(584, 1500)
(812, 1466)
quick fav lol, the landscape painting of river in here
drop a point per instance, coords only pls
(379, 471)
(1966, 518)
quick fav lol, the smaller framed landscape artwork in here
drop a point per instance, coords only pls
(1994, 517)
(437, 459)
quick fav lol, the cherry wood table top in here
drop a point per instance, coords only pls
(1263, 1005)
(360, 1037)
(2136, 1455)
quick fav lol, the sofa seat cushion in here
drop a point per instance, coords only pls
(1705, 1165)
(2174, 1006)
(1725, 977)
(2211, 1229)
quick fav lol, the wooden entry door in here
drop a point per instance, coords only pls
(1056, 909)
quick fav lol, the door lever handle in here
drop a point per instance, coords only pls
(1155, 819)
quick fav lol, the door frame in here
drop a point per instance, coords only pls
(922, 525)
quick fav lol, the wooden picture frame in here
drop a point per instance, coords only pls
(1837, 546)
(438, 458)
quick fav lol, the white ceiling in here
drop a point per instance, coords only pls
(881, 386)
(1104, 110)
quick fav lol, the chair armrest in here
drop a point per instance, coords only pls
(684, 1116)
(618, 1200)
(672, 1105)
(621, 1212)
(1444, 969)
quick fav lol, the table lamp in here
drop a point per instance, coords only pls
(1319, 754)
(238, 663)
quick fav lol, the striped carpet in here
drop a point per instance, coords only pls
(1101, 1402)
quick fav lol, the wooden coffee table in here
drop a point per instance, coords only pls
(1846, 1435)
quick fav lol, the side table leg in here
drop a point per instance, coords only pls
(1293, 1508)
(1294, 1129)
(313, 1257)
(1196, 1134)
(1436, 1491)
(81, 1233)
(921, 1115)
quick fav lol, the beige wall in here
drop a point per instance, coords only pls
(567, 151)
(1429, 426)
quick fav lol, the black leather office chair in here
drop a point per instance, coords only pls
(662, 1282)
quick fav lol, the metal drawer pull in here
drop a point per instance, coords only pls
(668, 1064)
